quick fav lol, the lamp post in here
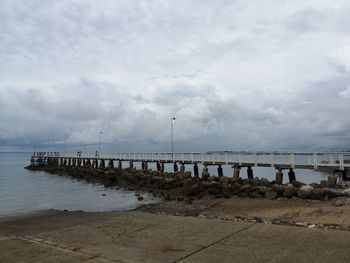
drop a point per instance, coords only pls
(172, 136)
(99, 143)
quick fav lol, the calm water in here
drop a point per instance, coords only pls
(23, 191)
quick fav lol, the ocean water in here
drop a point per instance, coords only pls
(23, 191)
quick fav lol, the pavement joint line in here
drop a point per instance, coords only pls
(138, 230)
(217, 241)
(56, 246)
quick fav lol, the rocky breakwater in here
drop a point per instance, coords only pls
(181, 185)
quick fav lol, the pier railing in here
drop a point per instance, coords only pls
(283, 160)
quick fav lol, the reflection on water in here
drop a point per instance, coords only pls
(23, 191)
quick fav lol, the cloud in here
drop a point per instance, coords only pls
(345, 93)
(237, 75)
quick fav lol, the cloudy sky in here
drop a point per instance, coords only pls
(238, 75)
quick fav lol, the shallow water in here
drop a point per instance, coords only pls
(23, 191)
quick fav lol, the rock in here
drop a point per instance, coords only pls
(331, 193)
(214, 184)
(305, 191)
(179, 199)
(169, 197)
(214, 191)
(140, 198)
(289, 192)
(265, 182)
(297, 184)
(339, 202)
(346, 192)
(213, 178)
(317, 194)
(254, 194)
(324, 184)
(315, 185)
(244, 187)
(271, 195)
(312, 226)
(103, 194)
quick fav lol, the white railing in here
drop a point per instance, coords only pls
(336, 160)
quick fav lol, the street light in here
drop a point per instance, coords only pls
(99, 143)
(172, 136)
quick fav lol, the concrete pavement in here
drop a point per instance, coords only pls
(144, 237)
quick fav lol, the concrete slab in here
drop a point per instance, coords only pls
(140, 237)
(144, 237)
(274, 243)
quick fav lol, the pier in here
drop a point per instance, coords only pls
(336, 163)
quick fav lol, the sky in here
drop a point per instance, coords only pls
(237, 75)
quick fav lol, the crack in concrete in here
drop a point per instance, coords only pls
(138, 230)
(50, 244)
(212, 244)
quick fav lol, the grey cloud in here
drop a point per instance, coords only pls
(243, 76)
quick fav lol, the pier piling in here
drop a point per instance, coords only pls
(279, 176)
(205, 173)
(110, 164)
(291, 176)
(182, 168)
(220, 171)
(176, 168)
(236, 171)
(250, 172)
(196, 171)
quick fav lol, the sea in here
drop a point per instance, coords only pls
(23, 191)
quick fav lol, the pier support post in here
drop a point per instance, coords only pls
(74, 163)
(220, 171)
(102, 163)
(182, 168)
(279, 176)
(158, 166)
(142, 166)
(250, 173)
(84, 162)
(176, 168)
(196, 171)
(110, 163)
(88, 162)
(205, 173)
(344, 176)
(162, 168)
(291, 176)
(120, 164)
(131, 164)
(332, 181)
(236, 171)
(69, 162)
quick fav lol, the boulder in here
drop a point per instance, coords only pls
(346, 192)
(213, 179)
(265, 182)
(271, 195)
(305, 191)
(315, 185)
(245, 187)
(317, 194)
(289, 192)
(297, 184)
